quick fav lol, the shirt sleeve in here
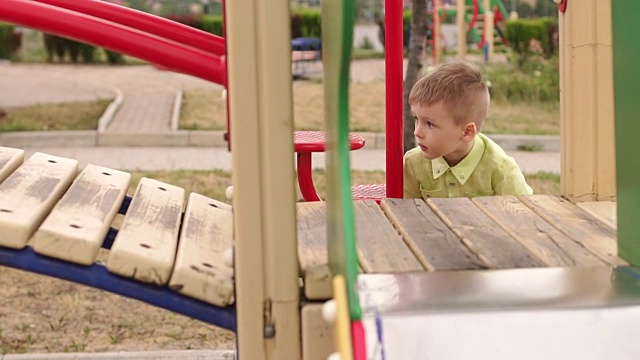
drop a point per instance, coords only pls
(411, 185)
(511, 181)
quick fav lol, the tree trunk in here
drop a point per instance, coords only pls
(417, 41)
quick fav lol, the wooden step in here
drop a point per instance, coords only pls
(29, 193)
(78, 224)
(145, 247)
(10, 159)
(199, 271)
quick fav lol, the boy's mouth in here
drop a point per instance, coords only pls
(423, 148)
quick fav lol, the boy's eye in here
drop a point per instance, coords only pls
(415, 119)
(430, 125)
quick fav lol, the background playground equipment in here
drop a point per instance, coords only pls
(267, 310)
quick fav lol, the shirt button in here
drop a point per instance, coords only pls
(437, 171)
(462, 177)
(452, 184)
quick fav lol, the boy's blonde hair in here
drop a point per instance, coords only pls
(461, 86)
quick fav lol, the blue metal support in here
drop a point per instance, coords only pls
(98, 277)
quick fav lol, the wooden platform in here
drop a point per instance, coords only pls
(496, 232)
(177, 241)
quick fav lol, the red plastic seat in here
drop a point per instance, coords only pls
(306, 143)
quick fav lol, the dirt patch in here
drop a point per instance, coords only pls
(39, 314)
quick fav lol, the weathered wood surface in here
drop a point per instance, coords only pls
(606, 211)
(380, 247)
(312, 250)
(583, 228)
(545, 242)
(10, 159)
(77, 225)
(433, 243)
(489, 242)
(29, 193)
(145, 247)
(200, 271)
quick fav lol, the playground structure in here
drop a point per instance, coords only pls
(270, 258)
(476, 20)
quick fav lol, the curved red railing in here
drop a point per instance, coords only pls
(475, 14)
(157, 50)
(146, 22)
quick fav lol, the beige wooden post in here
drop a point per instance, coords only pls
(488, 28)
(462, 28)
(586, 101)
(260, 108)
(436, 32)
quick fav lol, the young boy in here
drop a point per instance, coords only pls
(452, 157)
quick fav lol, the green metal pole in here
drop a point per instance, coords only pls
(626, 83)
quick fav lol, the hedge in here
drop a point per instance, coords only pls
(520, 32)
(10, 41)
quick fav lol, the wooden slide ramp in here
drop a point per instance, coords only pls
(168, 251)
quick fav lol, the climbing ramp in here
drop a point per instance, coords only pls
(167, 252)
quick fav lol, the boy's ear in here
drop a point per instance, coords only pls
(469, 131)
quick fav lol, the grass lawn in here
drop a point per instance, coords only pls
(205, 110)
(65, 116)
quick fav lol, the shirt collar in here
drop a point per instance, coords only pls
(464, 168)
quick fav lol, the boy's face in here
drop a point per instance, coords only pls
(436, 133)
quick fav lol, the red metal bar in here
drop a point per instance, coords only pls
(146, 22)
(165, 53)
(394, 96)
(307, 188)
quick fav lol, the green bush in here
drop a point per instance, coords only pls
(10, 41)
(309, 22)
(520, 32)
(113, 57)
(87, 53)
(211, 23)
(537, 81)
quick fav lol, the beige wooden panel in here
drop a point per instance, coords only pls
(207, 232)
(317, 334)
(29, 193)
(145, 246)
(77, 225)
(434, 244)
(583, 228)
(546, 243)
(488, 241)
(586, 101)
(606, 154)
(380, 247)
(312, 250)
(605, 211)
(10, 159)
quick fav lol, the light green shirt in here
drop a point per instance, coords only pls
(486, 170)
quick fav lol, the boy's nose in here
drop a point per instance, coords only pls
(417, 132)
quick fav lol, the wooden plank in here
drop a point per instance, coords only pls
(145, 246)
(77, 225)
(29, 193)
(434, 244)
(583, 228)
(312, 250)
(380, 247)
(200, 271)
(546, 243)
(10, 159)
(605, 211)
(488, 241)
(317, 334)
